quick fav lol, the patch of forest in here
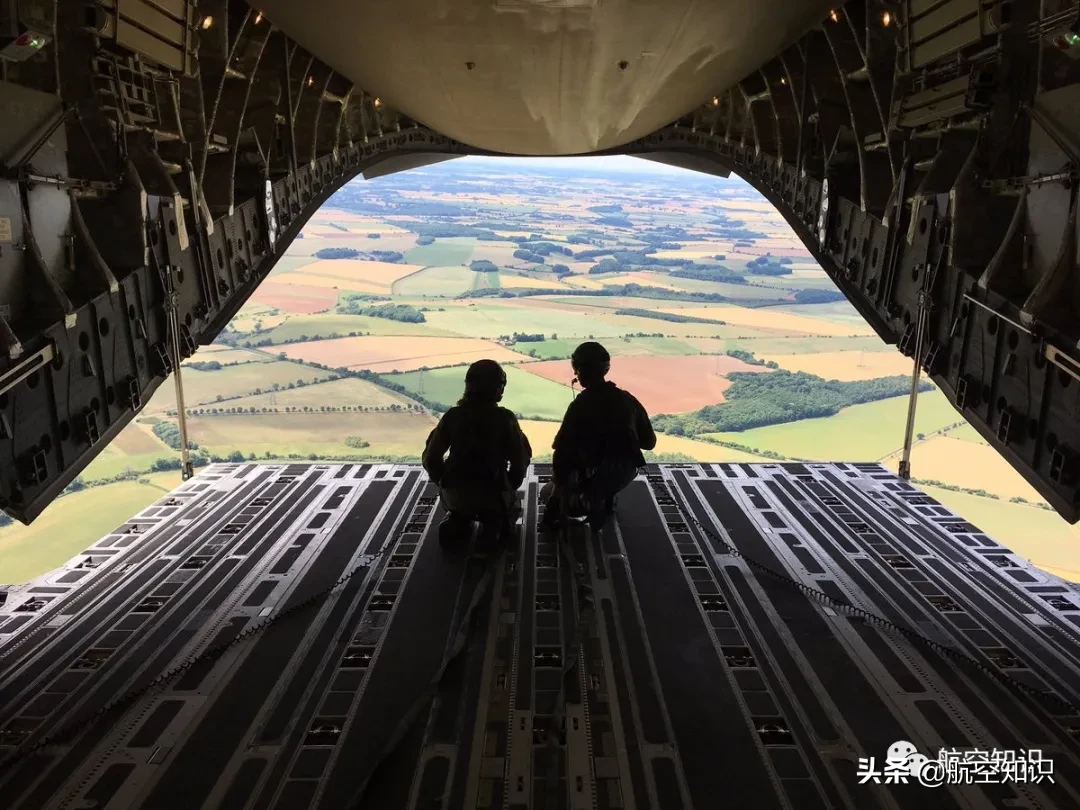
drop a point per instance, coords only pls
(761, 399)
(392, 256)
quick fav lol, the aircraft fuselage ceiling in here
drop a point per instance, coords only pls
(160, 155)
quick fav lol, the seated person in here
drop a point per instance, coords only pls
(598, 447)
(489, 456)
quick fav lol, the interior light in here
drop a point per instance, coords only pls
(377, 103)
(310, 81)
(783, 80)
(716, 101)
(208, 20)
(834, 16)
(886, 18)
(258, 18)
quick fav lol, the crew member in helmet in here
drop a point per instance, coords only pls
(598, 448)
(489, 456)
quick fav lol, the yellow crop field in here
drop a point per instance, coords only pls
(844, 366)
(966, 464)
(499, 253)
(389, 432)
(204, 387)
(305, 245)
(136, 439)
(584, 282)
(375, 277)
(765, 318)
(70, 525)
(400, 242)
(229, 357)
(360, 223)
(1037, 535)
(511, 281)
(399, 353)
(305, 279)
(317, 229)
(346, 391)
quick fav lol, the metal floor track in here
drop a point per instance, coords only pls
(699, 683)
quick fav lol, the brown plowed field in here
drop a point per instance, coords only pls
(663, 384)
(299, 298)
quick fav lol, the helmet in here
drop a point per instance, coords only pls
(591, 359)
(484, 379)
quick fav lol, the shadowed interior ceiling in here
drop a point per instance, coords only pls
(556, 77)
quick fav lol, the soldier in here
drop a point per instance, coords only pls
(598, 447)
(489, 456)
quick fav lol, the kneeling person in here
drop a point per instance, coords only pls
(488, 458)
(598, 448)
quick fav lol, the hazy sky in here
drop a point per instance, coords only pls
(608, 165)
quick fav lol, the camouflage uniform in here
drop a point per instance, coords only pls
(489, 456)
(597, 450)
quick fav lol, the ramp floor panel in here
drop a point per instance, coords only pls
(737, 636)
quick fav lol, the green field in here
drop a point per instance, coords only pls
(836, 312)
(72, 524)
(526, 393)
(286, 264)
(443, 281)
(112, 463)
(490, 319)
(547, 349)
(324, 326)
(450, 251)
(860, 433)
(228, 357)
(204, 387)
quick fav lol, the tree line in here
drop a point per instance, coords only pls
(523, 337)
(404, 313)
(667, 316)
(757, 400)
(634, 290)
(631, 290)
(750, 359)
(253, 410)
